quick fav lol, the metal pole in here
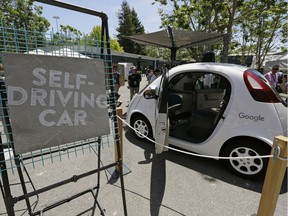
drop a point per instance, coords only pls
(119, 157)
(4, 176)
(173, 45)
(7, 195)
(56, 18)
(105, 32)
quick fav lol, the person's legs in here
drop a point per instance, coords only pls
(136, 90)
(131, 93)
(117, 86)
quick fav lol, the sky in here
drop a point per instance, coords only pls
(147, 14)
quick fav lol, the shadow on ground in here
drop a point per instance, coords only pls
(210, 169)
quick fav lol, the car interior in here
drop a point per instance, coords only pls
(196, 104)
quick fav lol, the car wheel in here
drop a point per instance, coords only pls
(142, 125)
(247, 168)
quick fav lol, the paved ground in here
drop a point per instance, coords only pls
(170, 184)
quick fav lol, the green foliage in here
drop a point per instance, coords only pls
(96, 33)
(265, 23)
(116, 46)
(158, 52)
(284, 36)
(22, 14)
(95, 36)
(67, 34)
(69, 30)
(252, 26)
(20, 18)
(129, 24)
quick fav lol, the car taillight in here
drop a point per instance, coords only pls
(259, 88)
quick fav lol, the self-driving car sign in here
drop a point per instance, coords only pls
(54, 100)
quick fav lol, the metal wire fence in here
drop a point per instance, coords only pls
(52, 43)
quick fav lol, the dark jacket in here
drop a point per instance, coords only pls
(134, 80)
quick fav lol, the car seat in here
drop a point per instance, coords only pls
(203, 123)
(175, 102)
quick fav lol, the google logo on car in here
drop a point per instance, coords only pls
(251, 117)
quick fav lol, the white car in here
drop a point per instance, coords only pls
(213, 109)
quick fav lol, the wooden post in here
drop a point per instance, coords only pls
(120, 126)
(274, 178)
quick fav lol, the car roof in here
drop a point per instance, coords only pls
(209, 66)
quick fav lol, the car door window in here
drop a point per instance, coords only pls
(203, 105)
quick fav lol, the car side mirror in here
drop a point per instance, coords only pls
(150, 94)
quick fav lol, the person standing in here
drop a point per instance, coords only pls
(155, 75)
(208, 81)
(272, 77)
(116, 80)
(284, 84)
(149, 75)
(134, 80)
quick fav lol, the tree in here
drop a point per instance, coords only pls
(67, 34)
(139, 29)
(129, 24)
(95, 36)
(231, 10)
(22, 23)
(262, 22)
(22, 14)
(265, 23)
(69, 30)
(116, 46)
(284, 33)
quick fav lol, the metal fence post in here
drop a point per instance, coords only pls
(120, 126)
(274, 177)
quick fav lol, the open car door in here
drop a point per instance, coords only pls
(162, 123)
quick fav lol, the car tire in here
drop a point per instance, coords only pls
(247, 168)
(142, 125)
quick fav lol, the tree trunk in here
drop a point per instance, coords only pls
(227, 38)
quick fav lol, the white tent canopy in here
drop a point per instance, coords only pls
(175, 39)
(268, 57)
(37, 51)
(68, 52)
(282, 62)
(59, 52)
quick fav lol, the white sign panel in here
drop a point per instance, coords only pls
(54, 100)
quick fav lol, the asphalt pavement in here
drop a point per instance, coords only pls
(169, 184)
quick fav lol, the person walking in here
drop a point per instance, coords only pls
(134, 80)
